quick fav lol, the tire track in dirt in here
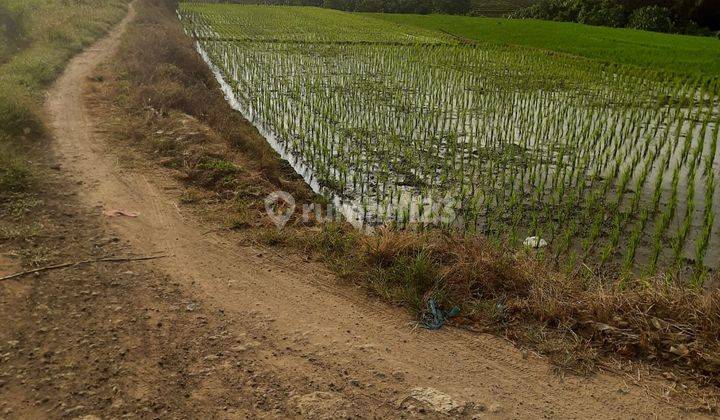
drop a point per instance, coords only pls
(306, 325)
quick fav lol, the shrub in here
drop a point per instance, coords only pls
(692, 28)
(618, 13)
(550, 10)
(651, 18)
(602, 13)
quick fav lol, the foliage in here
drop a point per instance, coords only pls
(652, 15)
(602, 13)
(651, 18)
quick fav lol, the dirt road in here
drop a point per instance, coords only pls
(323, 348)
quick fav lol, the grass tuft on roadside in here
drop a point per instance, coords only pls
(574, 318)
(577, 319)
(14, 172)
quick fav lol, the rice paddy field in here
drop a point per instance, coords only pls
(669, 52)
(614, 166)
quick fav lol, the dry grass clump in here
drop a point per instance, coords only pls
(573, 319)
(658, 321)
(385, 248)
(473, 268)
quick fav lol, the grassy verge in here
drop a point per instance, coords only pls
(165, 102)
(576, 318)
(37, 38)
(170, 107)
(675, 53)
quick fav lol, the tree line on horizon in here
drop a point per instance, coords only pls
(695, 17)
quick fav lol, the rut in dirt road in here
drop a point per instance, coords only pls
(331, 348)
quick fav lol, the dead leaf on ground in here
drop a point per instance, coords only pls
(119, 213)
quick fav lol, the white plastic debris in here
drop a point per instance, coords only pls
(535, 242)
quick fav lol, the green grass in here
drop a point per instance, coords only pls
(677, 53)
(14, 173)
(37, 38)
(5, 45)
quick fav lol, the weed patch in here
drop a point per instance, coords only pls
(15, 174)
(575, 319)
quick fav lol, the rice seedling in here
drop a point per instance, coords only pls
(406, 126)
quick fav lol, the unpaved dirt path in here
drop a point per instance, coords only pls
(362, 354)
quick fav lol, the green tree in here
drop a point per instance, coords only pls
(453, 7)
(652, 18)
(602, 13)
